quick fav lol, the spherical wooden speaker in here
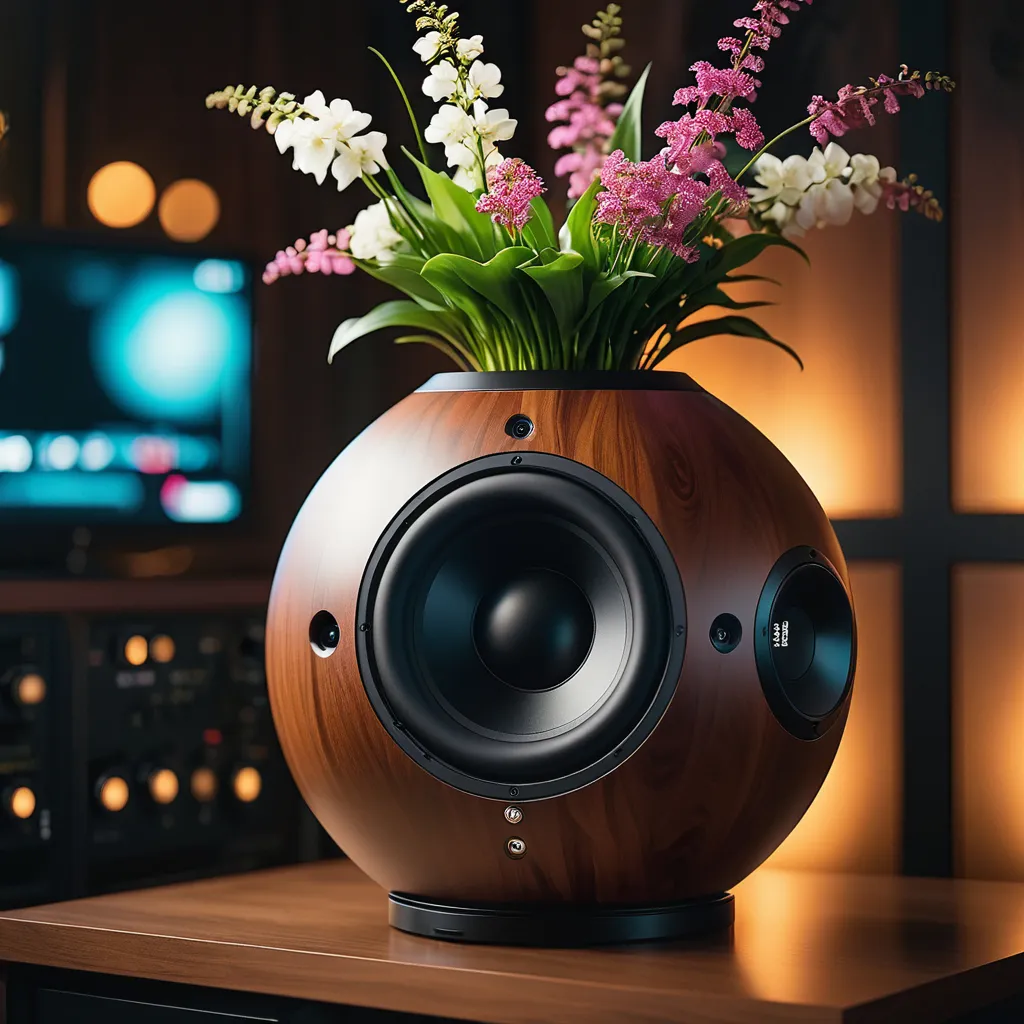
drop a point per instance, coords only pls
(560, 658)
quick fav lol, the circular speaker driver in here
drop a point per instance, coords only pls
(524, 626)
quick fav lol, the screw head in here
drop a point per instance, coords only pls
(513, 815)
(517, 460)
(516, 848)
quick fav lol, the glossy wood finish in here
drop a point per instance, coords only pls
(808, 948)
(716, 787)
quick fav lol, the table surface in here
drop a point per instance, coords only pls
(806, 947)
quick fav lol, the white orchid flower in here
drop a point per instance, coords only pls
(373, 237)
(493, 125)
(832, 163)
(786, 180)
(485, 81)
(313, 148)
(469, 177)
(826, 203)
(443, 82)
(428, 46)
(449, 126)
(471, 48)
(359, 156)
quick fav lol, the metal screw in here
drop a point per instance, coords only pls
(721, 635)
(513, 791)
(516, 848)
(513, 815)
(517, 460)
(680, 630)
(364, 627)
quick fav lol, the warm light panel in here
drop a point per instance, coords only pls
(988, 264)
(988, 721)
(839, 420)
(121, 194)
(854, 823)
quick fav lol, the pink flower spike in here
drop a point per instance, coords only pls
(323, 253)
(512, 186)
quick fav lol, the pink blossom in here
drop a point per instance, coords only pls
(322, 254)
(512, 186)
(651, 203)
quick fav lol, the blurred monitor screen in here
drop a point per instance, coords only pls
(124, 385)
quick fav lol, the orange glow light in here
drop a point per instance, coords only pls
(136, 650)
(22, 803)
(204, 785)
(161, 649)
(189, 210)
(113, 794)
(247, 784)
(30, 689)
(163, 786)
(121, 194)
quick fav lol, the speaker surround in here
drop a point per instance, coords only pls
(594, 657)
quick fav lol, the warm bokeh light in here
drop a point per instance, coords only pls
(7, 212)
(189, 210)
(30, 689)
(22, 803)
(136, 650)
(988, 721)
(163, 786)
(162, 649)
(838, 421)
(113, 794)
(121, 194)
(204, 784)
(854, 823)
(987, 378)
(247, 784)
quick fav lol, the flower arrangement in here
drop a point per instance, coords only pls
(647, 244)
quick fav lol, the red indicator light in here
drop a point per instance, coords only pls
(212, 737)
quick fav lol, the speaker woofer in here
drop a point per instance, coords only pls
(805, 643)
(524, 626)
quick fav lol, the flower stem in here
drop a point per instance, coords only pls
(778, 138)
(408, 105)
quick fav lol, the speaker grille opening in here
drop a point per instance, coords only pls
(805, 643)
(524, 626)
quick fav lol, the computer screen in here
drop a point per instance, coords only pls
(124, 384)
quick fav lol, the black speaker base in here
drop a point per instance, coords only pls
(560, 926)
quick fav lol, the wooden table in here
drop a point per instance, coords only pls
(805, 948)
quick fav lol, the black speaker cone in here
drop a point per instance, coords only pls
(524, 626)
(805, 645)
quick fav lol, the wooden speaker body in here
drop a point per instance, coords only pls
(719, 782)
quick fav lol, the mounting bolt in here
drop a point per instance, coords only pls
(513, 815)
(517, 460)
(516, 848)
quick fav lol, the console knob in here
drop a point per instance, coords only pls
(28, 688)
(21, 803)
(112, 793)
(204, 784)
(247, 783)
(162, 784)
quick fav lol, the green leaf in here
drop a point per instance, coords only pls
(715, 296)
(540, 229)
(745, 249)
(407, 280)
(741, 278)
(399, 313)
(739, 326)
(456, 207)
(494, 281)
(561, 280)
(458, 357)
(629, 131)
(605, 286)
(577, 232)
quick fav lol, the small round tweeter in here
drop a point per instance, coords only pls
(324, 634)
(726, 633)
(805, 643)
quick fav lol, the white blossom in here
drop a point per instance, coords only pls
(359, 156)
(428, 46)
(469, 177)
(443, 82)
(785, 180)
(315, 140)
(493, 125)
(826, 203)
(832, 163)
(449, 126)
(471, 48)
(485, 81)
(372, 234)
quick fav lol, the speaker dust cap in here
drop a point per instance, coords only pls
(805, 643)
(524, 626)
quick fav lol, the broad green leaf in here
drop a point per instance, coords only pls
(605, 286)
(456, 207)
(562, 283)
(495, 280)
(715, 296)
(741, 278)
(406, 280)
(540, 229)
(740, 326)
(399, 313)
(743, 250)
(576, 234)
(629, 131)
(460, 358)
